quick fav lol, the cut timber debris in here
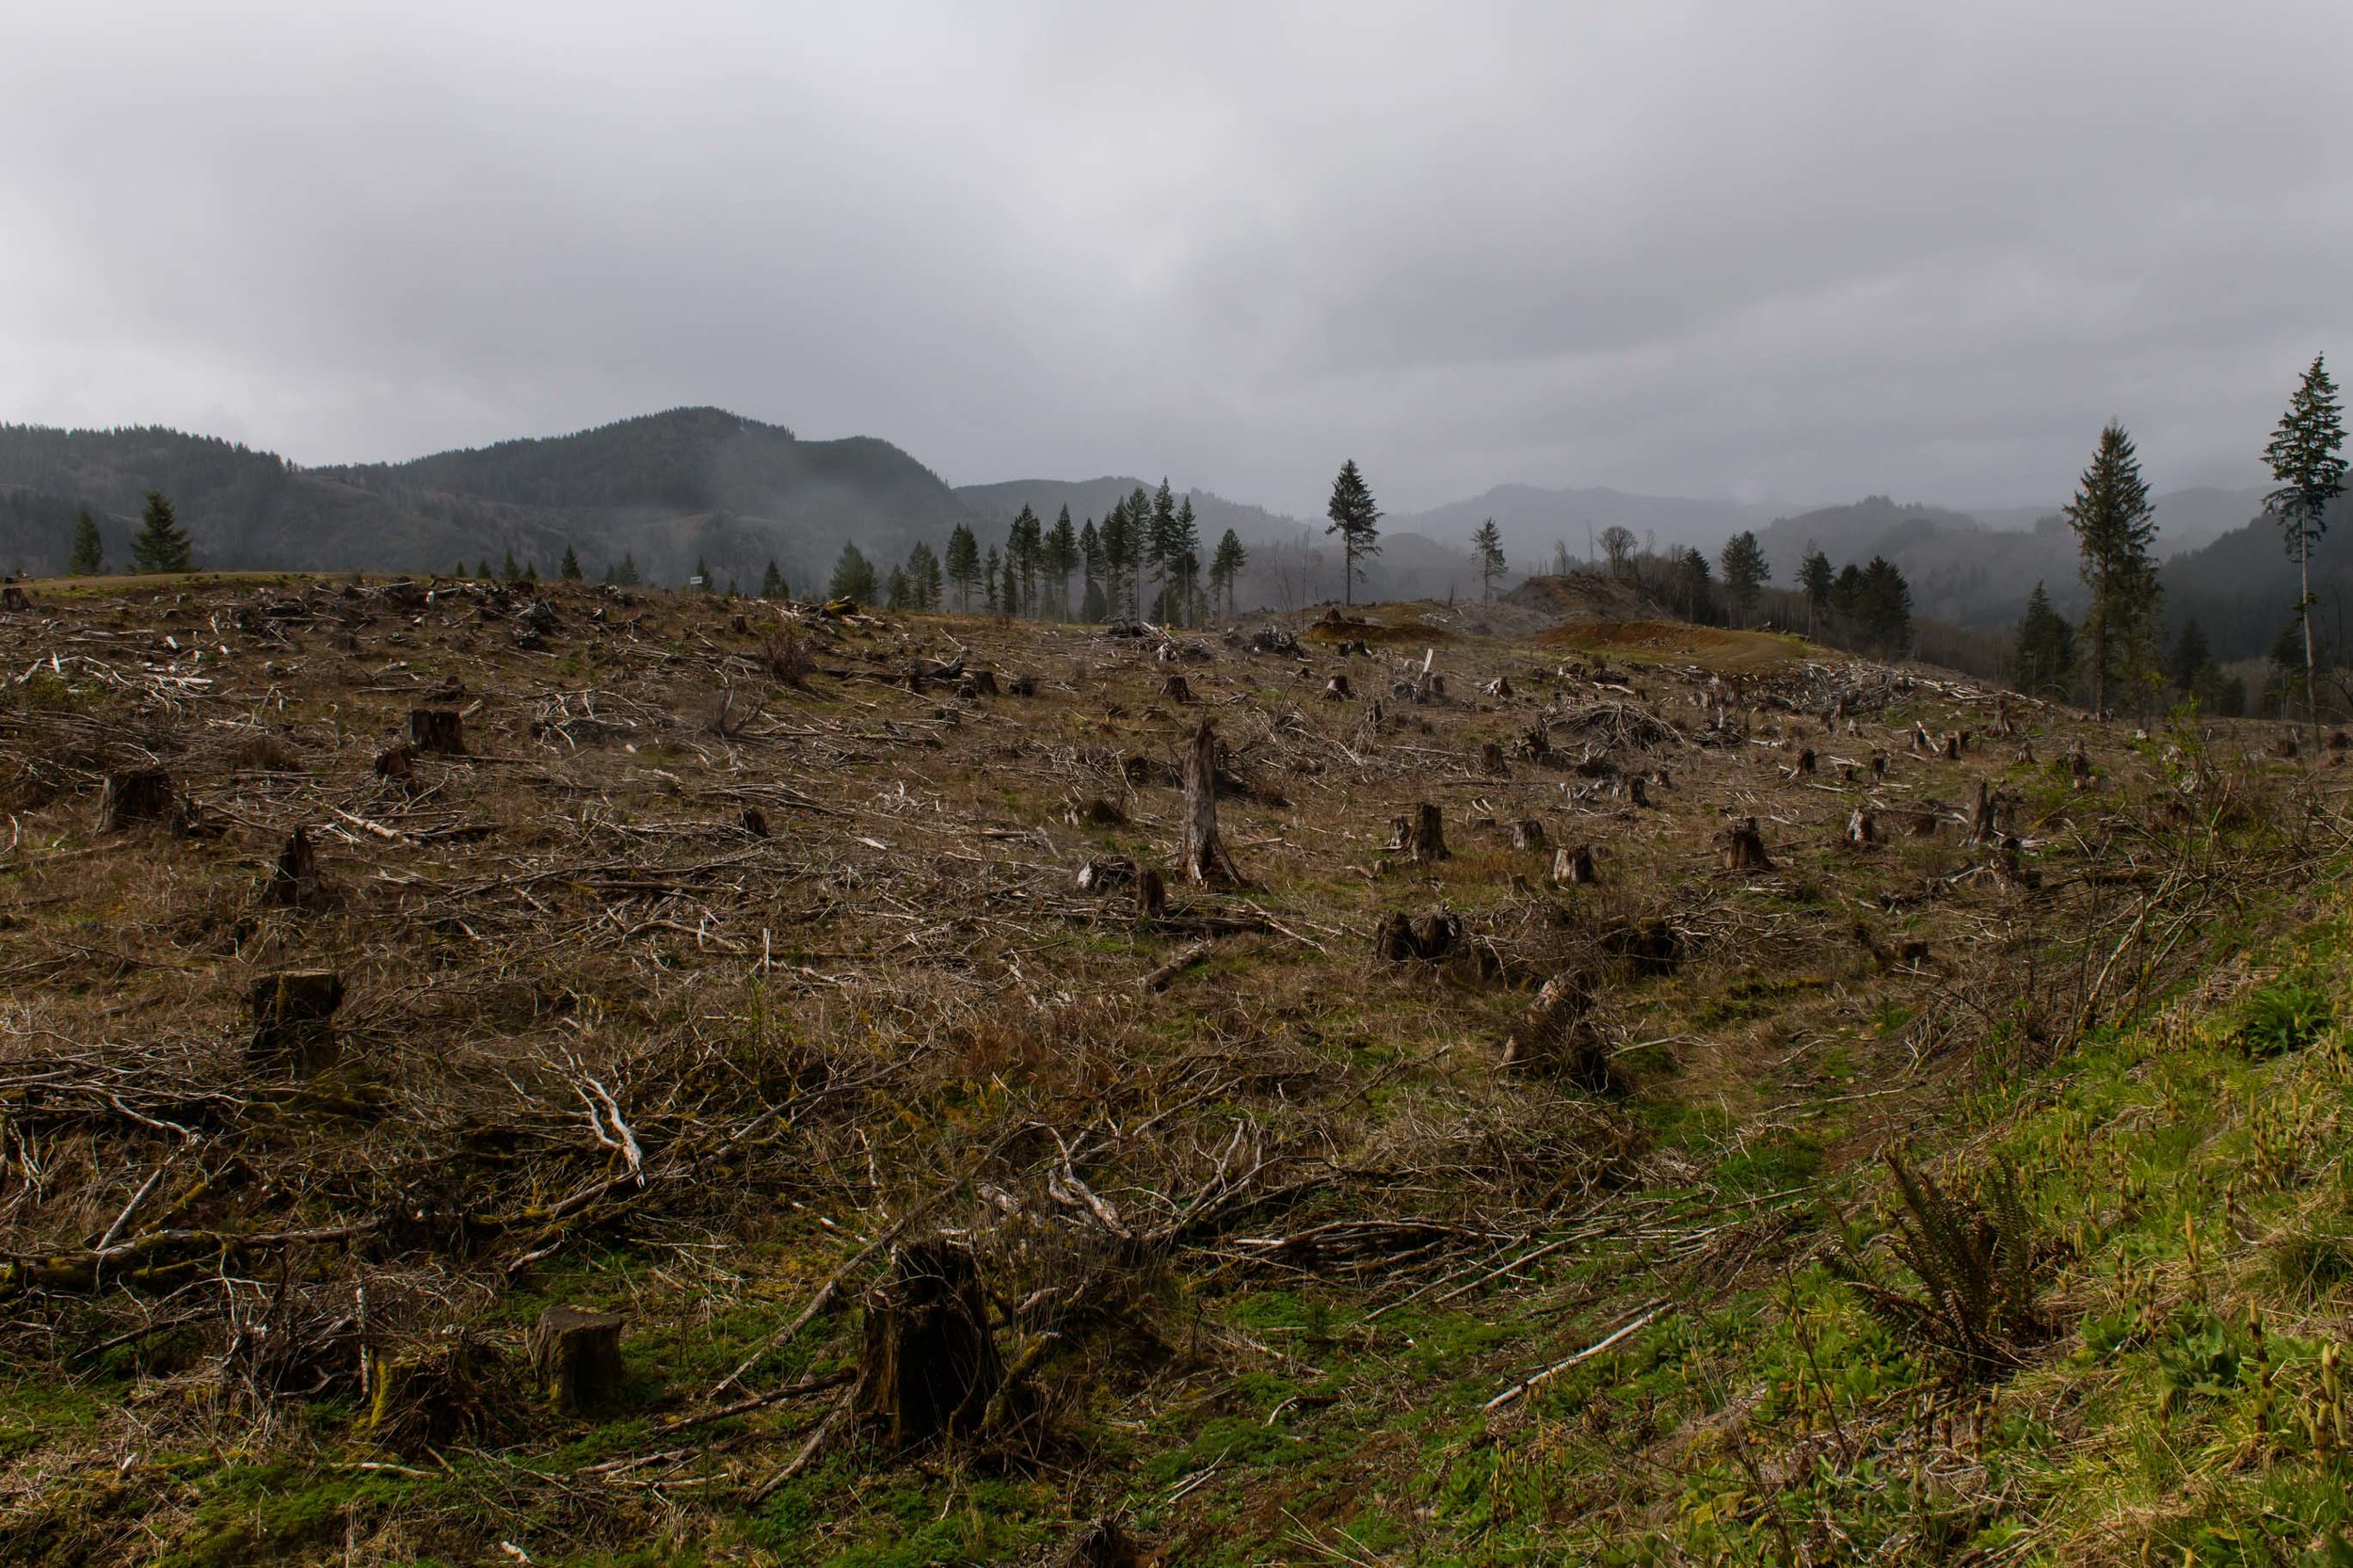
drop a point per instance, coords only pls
(576, 1354)
(1400, 938)
(440, 732)
(1744, 848)
(294, 881)
(927, 1362)
(1165, 975)
(1573, 865)
(292, 1016)
(141, 795)
(1205, 856)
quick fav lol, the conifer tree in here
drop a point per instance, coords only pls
(1882, 606)
(628, 576)
(1024, 546)
(162, 544)
(1114, 542)
(853, 576)
(2114, 525)
(1185, 560)
(2191, 654)
(1746, 573)
(988, 575)
(896, 591)
(1815, 577)
(484, 572)
(89, 555)
(570, 571)
(922, 577)
(2306, 457)
(531, 571)
(2045, 655)
(1139, 538)
(510, 570)
(964, 565)
(1356, 519)
(1693, 584)
(772, 582)
(1227, 564)
(702, 575)
(1487, 545)
(1061, 559)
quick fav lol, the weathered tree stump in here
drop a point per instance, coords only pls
(1806, 761)
(1528, 833)
(1924, 823)
(2026, 752)
(1861, 827)
(753, 821)
(1558, 1035)
(1491, 758)
(1952, 746)
(2079, 764)
(1536, 746)
(1151, 895)
(1176, 689)
(294, 881)
(1021, 685)
(2284, 748)
(1981, 828)
(1879, 767)
(1573, 865)
(1744, 848)
(1400, 937)
(1920, 741)
(927, 1362)
(396, 761)
(1095, 811)
(1337, 689)
(440, 732)
(1421, 836)
(1636, 789)
(1499, 686)
(576, 1355)
(294, 1015)
(15, 599)
(1101, 875)
(1205, 856)
(984, 683)
(137, 796)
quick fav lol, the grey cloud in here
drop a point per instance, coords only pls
(1797, 251)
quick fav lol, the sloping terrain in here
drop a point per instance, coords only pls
(779, 984)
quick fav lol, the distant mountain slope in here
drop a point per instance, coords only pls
(2186, 520)
(1532, 519)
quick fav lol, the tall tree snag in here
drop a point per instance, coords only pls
(1205, 857)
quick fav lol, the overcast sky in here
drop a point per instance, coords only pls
(1786, 251)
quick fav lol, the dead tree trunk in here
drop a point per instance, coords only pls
(927, 1363)
(1205, 856)
(1952, 746)
(295, 880)
(142, 794)
(1744, 848)
(576, 1354)
(437, 730)
(1573, 865)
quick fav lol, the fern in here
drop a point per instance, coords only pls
(1975, 1308)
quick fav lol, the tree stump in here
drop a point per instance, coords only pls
(1491, 758)
(1924, 823)
(1151, 895)
(1102, 1544)
(1205, 856)
(140, 794)
(1337, 690)
(1573, 865)
(1422, 835)
(754, 822)
(576, 1354)
(1636, 791)
(927, 1363)
(15, 598)
(1879, 767)
(396, 761)
(1536, 746)
(1021, 685)
(1744, 848)
(2079, 764)
(1981, 828)
(2026, 752)
(1528, 833)
(1101, 875)
(1095, 811)
(1861, 827)
(1805, 761)
(1399, 937)
(1499, 686)
(1558, 1037)
(984, 683)
(294, 1016)
(295, 880)
(439, 731)
(1176, 689)
(1952, 746)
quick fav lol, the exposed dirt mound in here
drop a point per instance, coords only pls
(1584, 596)
(1335, 626)
(1657, 642)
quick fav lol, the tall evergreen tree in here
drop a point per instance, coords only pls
(1093, 603)
(1693, 584)
(1061, 559)
(1816, 577)
(628, 576)
(510, 569)
(2306, 457)
(1139, 538)
(1883, 608)
(853, 576)
(896, 592)
(1185, 558)
(89, 555)
(1227, 564)
(2045, 656)
(1487, 545)
(2115, 525)
(988, 575)
(483, 571)
(702, 575)
(569, 571)
(964, 565)
(2191, 654)
(1024, 549)
(162, 544)
(1746, 573)
(1356, 519)
(1114, 542)
(772, 582)
(923, 577)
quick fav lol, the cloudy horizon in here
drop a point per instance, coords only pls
(1795, 257)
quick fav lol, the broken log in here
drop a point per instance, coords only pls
(1160, 979)
(576, 1354)
(139, 794)
(440, 732)
(1744, 848)
(1573, 866)
(1205, 856)
(294, 1016)
(927, 1362)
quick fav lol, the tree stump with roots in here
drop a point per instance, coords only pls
(1421, 836)
(1176, 689)
(1982, 826)
(294, 881)
(1337, 689)
(576, 1354)
(1205, 856)
(294, 1015)
(438, 731)
(1491, 758)
(1573, 865)
(1528, 833)
(927, 1363)
(1558, 1037)
(1151, 895)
